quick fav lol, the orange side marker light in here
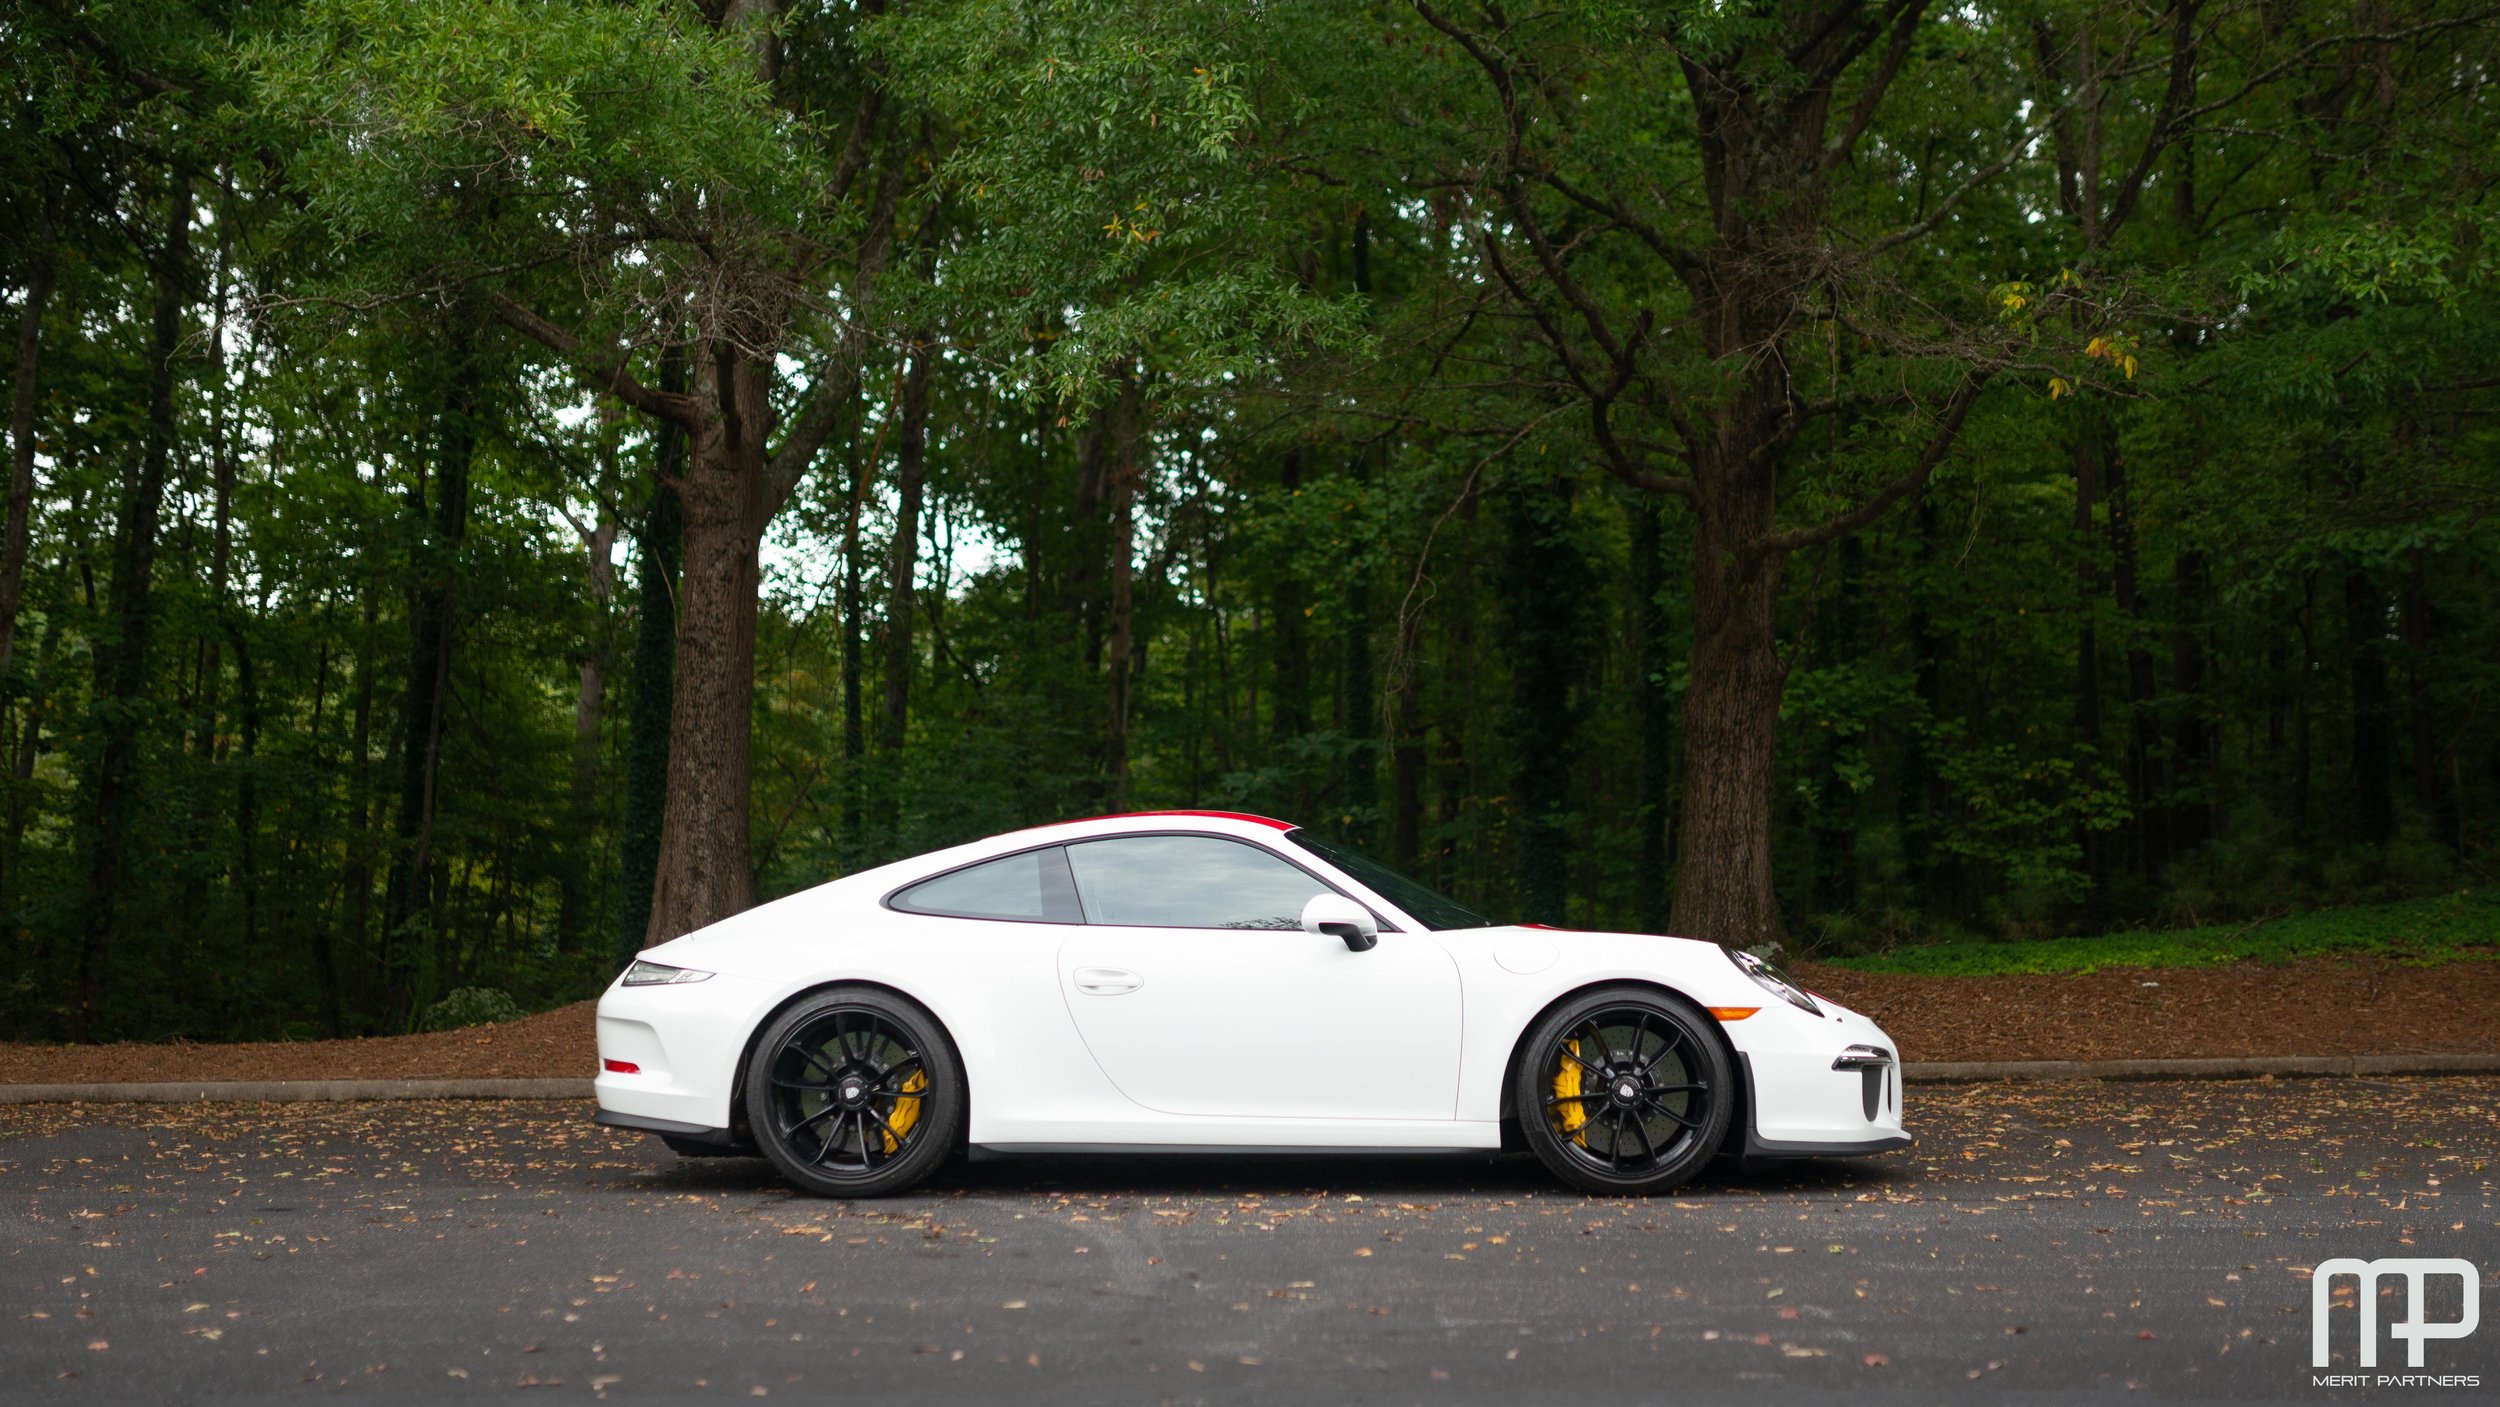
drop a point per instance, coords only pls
(1732, 1013)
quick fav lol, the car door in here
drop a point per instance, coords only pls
(1196, 989)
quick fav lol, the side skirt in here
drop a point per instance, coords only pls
(1233, 1149)
(667, 1128)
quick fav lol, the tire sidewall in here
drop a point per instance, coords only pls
(946, 1093)
(1717, 1069)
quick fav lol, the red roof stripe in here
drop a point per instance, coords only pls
(1218, 815)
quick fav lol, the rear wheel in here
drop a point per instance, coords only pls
(1623, 1091)
(855, 1092)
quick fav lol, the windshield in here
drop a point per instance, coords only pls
(1429, 909)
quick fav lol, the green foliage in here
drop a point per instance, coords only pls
(2459, 927)
(470, 1006)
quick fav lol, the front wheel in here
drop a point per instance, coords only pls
(855, 1092)
(1623, 1091)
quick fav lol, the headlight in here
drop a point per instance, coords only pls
(1772, 980)
(657, 974)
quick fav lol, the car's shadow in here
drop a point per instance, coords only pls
(1287, 1174)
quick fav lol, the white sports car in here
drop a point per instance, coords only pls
(1210, 982)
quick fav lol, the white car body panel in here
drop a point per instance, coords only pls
(1233, 1038)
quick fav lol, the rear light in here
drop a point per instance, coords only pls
(620, 1067)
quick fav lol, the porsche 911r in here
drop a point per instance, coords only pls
(1211, 982)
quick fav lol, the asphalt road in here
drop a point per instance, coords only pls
(2043, 1242)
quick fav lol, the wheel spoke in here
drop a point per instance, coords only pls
(1574, 1058)
(832, 1132)
(901, 1139)
(1649, 1151)
(863, 1140)
(802, 1085)
(803, 1123)
(1575, 1099)
(1661, 1107)
(1673, 1037)
(1596, 1037)
(913, 1062)
(1640, 1041)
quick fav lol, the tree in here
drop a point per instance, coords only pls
(676, 158)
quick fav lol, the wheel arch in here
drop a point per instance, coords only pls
(742, 1135)
(1740, 1114)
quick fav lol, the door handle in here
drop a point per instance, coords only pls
(1107, 981)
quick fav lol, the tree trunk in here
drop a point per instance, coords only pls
(25, 394)
(1406, 770)
(247, 789)
(654, 673)
(2372, 815)
(705, 872)
(911, 451)
(2192, 735)
(208, 667)
(122, 669)
(2437, 810)
(1358, 704)
(1120, 490)
(356, 876)
(2146, 784)
(1653, 715)
(590, 696)
(22, 765)
(432, 607)
(1919, 806)
(2094, 844)
(854, 708)
(1291, 616)
(1723, 890)
(1544, 590)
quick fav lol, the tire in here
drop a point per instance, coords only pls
(855, 1092)
(1664, 1105)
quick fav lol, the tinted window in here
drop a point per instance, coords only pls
(1430, 908)
(1032, 887)
(1189, 881)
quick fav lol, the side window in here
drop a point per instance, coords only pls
(1029, 888)
(1189, 881)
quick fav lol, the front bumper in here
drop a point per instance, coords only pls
(1756, 1146)
(1824, 1086)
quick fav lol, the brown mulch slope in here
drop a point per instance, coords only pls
(2319, 1006)
(552, 1044)
(2323, 1006)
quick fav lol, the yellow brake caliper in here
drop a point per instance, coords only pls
(1575, 1115)
(906, 1110)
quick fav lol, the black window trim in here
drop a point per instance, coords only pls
(1379, 911)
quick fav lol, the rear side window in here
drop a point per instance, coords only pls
(1029, 888)
(1189, 881)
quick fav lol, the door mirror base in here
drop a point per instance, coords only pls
(1336, 916)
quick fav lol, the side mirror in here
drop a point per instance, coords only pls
(1336, 916)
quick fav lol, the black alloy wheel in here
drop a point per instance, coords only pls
(855, 1092)
(1624, 1090)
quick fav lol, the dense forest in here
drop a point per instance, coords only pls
(497, 483)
